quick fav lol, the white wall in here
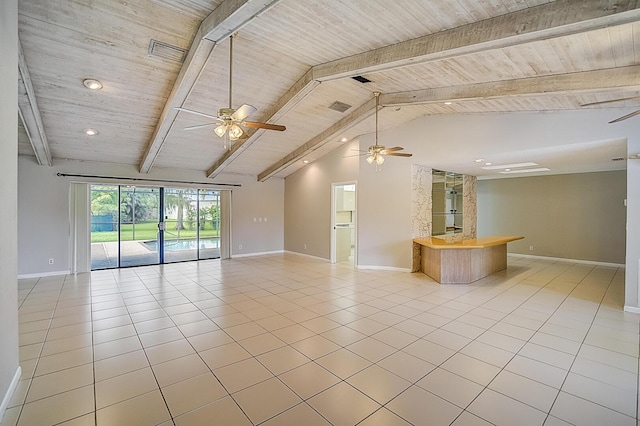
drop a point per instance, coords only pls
(383, 207)
(43, 222)
(573, 216)
(384, 198)
(43, 204)
(9, 370)
(632, 279)
(384, 210)
(253, 201)
(308, 201)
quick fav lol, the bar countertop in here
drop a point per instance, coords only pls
(440, 244)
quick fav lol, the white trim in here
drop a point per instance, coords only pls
(12, 388)
(261, 253)
(384, 268)
(308, 255)
(44, 274)
(562, 259)
(632, 309)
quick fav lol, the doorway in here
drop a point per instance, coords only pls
(343, 223)
(136, 225)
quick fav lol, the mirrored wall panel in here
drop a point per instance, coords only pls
(447, 208)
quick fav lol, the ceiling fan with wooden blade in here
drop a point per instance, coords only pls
(624, 117)
(376, 152)
(229, 121)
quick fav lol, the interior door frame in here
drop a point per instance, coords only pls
(334, 187)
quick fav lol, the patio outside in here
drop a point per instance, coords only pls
(124, 225)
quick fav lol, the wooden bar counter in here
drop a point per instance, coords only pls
(463, 262)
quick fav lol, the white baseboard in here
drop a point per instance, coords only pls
(384, 268)
(261, 253)
(632, 309)
(44, 274)
(307, 255)
(12, 388)
(562, 259)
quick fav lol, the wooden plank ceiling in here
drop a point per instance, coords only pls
(293, 59)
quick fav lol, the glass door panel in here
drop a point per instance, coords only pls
(181, 224)
(208, 224)
(125, 225)
(104, 226)
(139, 217)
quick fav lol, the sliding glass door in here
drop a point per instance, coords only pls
(209, 224)
(105, 222)
(139, 218)
(180, 224)
(128, 229)
(191, 224)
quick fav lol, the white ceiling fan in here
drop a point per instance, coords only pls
(229, 121)
(377, 152)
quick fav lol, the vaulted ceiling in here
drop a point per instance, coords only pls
(292, 59)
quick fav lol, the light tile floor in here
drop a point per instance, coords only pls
(288, 340)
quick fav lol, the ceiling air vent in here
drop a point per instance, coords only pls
(361, 79)
(167, 51)
(339, 106)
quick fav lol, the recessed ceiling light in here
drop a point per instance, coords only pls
(539, 169)
(91, 132)
(510, 166)
(344, 139)
(479, 160)
(305, 161)
(448, 103)
(92, 84)
(488, 163)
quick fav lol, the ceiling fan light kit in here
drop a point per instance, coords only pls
(377, 152)
(229, 120)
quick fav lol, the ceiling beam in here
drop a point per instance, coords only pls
(30, 113)
(227, 18)
(361, 113)
(291, 98)
(587, 81)
(231, 15)
(549, 20)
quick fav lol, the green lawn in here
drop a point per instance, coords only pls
(149, 231)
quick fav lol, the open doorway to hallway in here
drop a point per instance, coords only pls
(343, 223)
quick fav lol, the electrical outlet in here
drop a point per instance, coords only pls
(51, 261)
(530, 248)
(240, 246)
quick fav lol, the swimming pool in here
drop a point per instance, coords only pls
(178, 245)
